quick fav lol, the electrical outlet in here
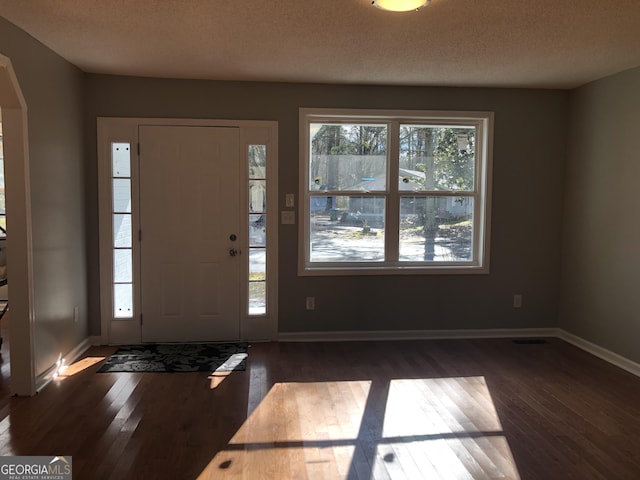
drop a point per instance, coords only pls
(311, 303)
(517, 300)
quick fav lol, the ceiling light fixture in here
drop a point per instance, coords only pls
(400, 5)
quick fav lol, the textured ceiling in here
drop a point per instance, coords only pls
(536, 43)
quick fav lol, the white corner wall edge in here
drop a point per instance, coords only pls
(600, 352)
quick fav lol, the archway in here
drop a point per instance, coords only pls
(19, 243)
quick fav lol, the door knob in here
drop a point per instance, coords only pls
(233, 252)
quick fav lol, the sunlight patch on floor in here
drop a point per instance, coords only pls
(216, 378)
(293, 432)
(404, 428)
(66, 371)
(449, 423)
(227, 368)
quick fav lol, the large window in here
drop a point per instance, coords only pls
(395, 192)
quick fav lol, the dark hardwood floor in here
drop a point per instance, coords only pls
(456, 409)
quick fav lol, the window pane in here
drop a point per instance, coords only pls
(347, 229)
(436, 158)
(121, 158)
(257, 281)
(257, 196)
(257, 161)
(257, 298)
(123, 300)
(258, 230)
(436, 229)
(122, 266)
(122, 195)
(348, 157)
(122, 231)
(257, 264)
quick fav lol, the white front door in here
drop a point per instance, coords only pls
(189, 221)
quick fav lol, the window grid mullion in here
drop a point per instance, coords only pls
(392, 213)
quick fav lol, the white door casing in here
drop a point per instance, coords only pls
(128, 329)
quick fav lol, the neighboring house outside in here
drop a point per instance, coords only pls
(370, 209)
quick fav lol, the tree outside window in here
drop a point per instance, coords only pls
(397, 192)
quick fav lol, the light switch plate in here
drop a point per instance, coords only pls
(290, 200)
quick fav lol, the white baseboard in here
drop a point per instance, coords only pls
(44, 378)
(415, 334)
(600, 352)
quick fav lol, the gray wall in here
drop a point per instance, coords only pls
(601, 249)
(53, 92)
(529, 155)
(600, 252)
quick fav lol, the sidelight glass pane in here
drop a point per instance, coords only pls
(257, 202)
(257, 196)
(122, 195)
(123, 300)
(348, 157)
(436, 158)
(122, 231)
(257, 298)
(257, 161)
(122, 266)
(258, 230)
(347, 229)
(257, 264)
(436, 229)
(121, 159)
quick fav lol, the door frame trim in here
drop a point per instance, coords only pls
(125, 129)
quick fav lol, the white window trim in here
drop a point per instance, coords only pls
(483, 121)
(114, 129)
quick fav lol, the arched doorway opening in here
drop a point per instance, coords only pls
(19, 243)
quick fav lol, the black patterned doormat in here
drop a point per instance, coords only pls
(178, 357)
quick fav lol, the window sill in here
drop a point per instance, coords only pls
(350, 270)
